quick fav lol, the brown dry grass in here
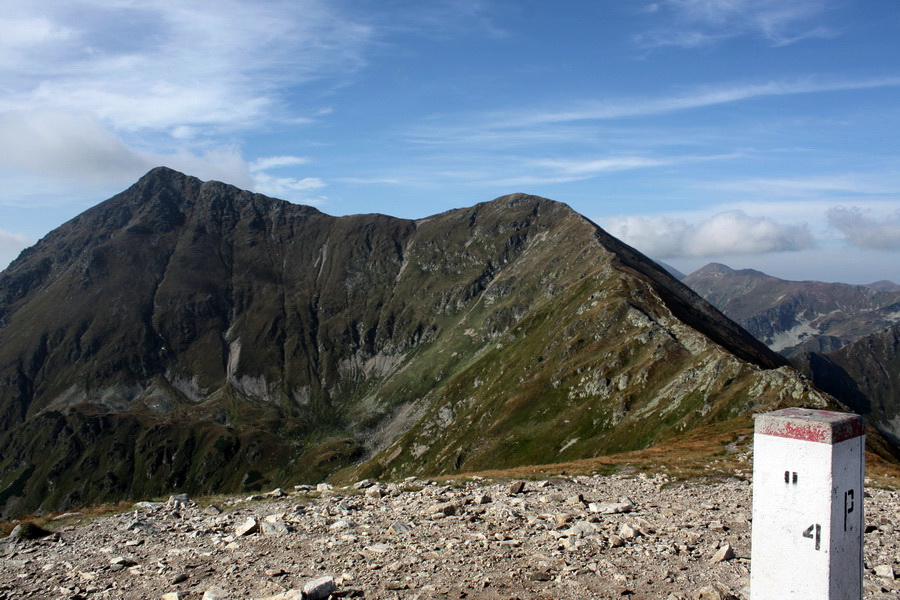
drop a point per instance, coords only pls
(52, 522)
(708, 454)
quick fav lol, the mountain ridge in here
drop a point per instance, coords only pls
(188, 335)
(864, 375)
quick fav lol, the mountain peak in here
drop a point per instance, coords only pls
(162, 172)
(716, 269)
(192, 335)
(883, 285)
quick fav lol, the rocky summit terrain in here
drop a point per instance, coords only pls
(191, 337)
(593, 536)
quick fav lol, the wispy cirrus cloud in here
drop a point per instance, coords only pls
(698, 23)
(594, 166)
(837, 184)
(699, 97)
(99, 92)
(115, 60)
(726, 233)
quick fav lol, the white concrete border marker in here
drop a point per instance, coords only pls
(807, 538)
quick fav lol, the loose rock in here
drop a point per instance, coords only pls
(724, 553)
(248, 527)
(319, 588)
(546, 544)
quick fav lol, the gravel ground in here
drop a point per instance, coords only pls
(571, 537)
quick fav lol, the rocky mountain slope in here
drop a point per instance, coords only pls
(864, 375)
(797, 316)
(191, 336)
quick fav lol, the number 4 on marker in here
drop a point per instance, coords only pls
(808, 533)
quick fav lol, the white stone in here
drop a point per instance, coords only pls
(885, 571)
(580, 529)
(628, 532)
(610, 508)
(247, 527)
(724, 553)
(376, 492)
(319, 588)
(277, 528)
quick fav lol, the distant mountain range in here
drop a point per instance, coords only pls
(884, 286)
(845, 338)
(191, 336)
(792, 317)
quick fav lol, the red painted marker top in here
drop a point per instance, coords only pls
(821, 426)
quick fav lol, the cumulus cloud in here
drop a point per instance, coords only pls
(861, 229)
(80, 148)
(61, 144)
(727, 233)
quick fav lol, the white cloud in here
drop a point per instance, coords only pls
(273, 162)
(100, 92)
(23, 33)
(830, 184)
(169, 63)
(78, 147)
(697, 98)
(293, 189)
(726, 233)
(60, 144)
(589, 167)
(11, 244)
(697, 23)
(288, 188)
(863, 230)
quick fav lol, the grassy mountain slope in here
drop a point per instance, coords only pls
(864, 375)
(187, 335)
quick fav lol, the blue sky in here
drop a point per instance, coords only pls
(758, 133)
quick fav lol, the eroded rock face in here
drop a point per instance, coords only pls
(678, 541)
